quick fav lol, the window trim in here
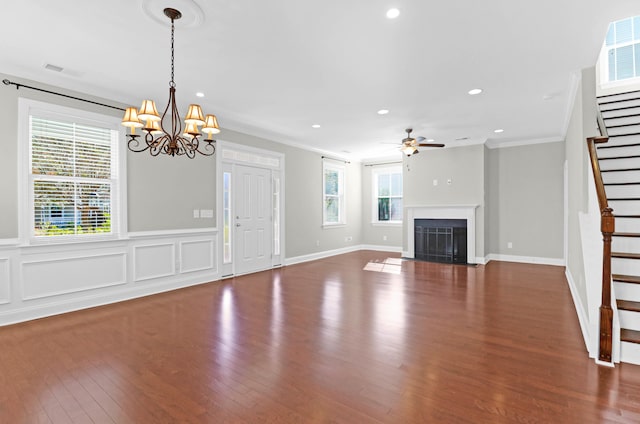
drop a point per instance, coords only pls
(342, 208)
(28, 107)
(605, 80)
(375, 172)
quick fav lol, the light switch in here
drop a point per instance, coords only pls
(206, 213)
(435, 182)
(196, 213)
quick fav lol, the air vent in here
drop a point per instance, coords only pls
(53, 67)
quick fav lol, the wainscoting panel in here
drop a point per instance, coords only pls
(5, 281)
(154, 261)
(53, 277)
(197, 255)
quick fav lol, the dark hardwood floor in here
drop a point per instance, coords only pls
(323, 342)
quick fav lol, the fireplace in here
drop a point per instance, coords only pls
(466, 213)
(441, 240)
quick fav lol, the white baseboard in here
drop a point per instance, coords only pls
(380, 248)
(583, 318)
(525, 259)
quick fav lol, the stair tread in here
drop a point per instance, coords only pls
(625, 255)
(628, 305)
(631, 336)
(627, 234)
(623, 198)
(626, 216)
(626, 278)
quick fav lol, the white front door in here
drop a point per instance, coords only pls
(253, 219)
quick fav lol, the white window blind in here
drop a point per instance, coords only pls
(622, 45)
(72, 174)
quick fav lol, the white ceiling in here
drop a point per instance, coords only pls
(273, 68)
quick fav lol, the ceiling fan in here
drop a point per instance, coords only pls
(410, 145)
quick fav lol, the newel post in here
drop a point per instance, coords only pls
(606, 313)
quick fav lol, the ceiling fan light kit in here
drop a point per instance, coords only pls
(410, 145)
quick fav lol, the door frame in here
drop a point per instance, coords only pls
(228, 155)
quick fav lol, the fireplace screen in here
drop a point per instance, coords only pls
(441, 240)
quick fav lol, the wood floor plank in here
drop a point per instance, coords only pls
(323, 342)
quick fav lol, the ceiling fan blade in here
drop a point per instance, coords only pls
(419, 139)
(431, 145)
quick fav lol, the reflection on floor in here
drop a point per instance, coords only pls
(389, 265)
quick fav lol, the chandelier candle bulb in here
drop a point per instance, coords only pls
(176, 142)
(131, 119)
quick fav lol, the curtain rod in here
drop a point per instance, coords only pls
(337, 160)
(383, 163)
(7, 82)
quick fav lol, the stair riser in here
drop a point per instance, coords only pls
(630, 353)
(621, 96)
(625, 207)
(629, 320)
(625, 266)
(623, 191)
(626, 244)
(619, 141)
(619, 163)
(627, 291)
(627, 225)
(632, 129)
(621, 151)
(623, 112)
(622, 121)
(621, 177)
(622, 104)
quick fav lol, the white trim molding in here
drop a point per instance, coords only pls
(525, 259)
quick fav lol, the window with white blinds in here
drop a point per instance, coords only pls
(623, 49)
(72, 175)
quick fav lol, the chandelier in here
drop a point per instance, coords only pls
(157, 139)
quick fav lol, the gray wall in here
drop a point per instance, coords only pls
(464, 166)
(525, 200)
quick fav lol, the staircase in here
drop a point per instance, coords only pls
(619, 161)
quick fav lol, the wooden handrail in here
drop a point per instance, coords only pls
(607, 227)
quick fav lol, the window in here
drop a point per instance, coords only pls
(622, 47)
(333, 194)
(387, 195)
(70, 173)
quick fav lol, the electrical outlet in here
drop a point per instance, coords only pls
(317, 243)
(384, 238)
(509, 245)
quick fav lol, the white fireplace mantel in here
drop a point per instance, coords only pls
(467, 212)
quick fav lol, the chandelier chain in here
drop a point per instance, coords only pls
(172, 83)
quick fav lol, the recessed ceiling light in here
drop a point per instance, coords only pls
(315, 126)
(200, 94)
(475, 91)
(498, 131)
(393, 13)
(383, 112)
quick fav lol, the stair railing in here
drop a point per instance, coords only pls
(607, 227)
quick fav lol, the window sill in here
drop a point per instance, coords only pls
(387, 224)
(340, 225)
